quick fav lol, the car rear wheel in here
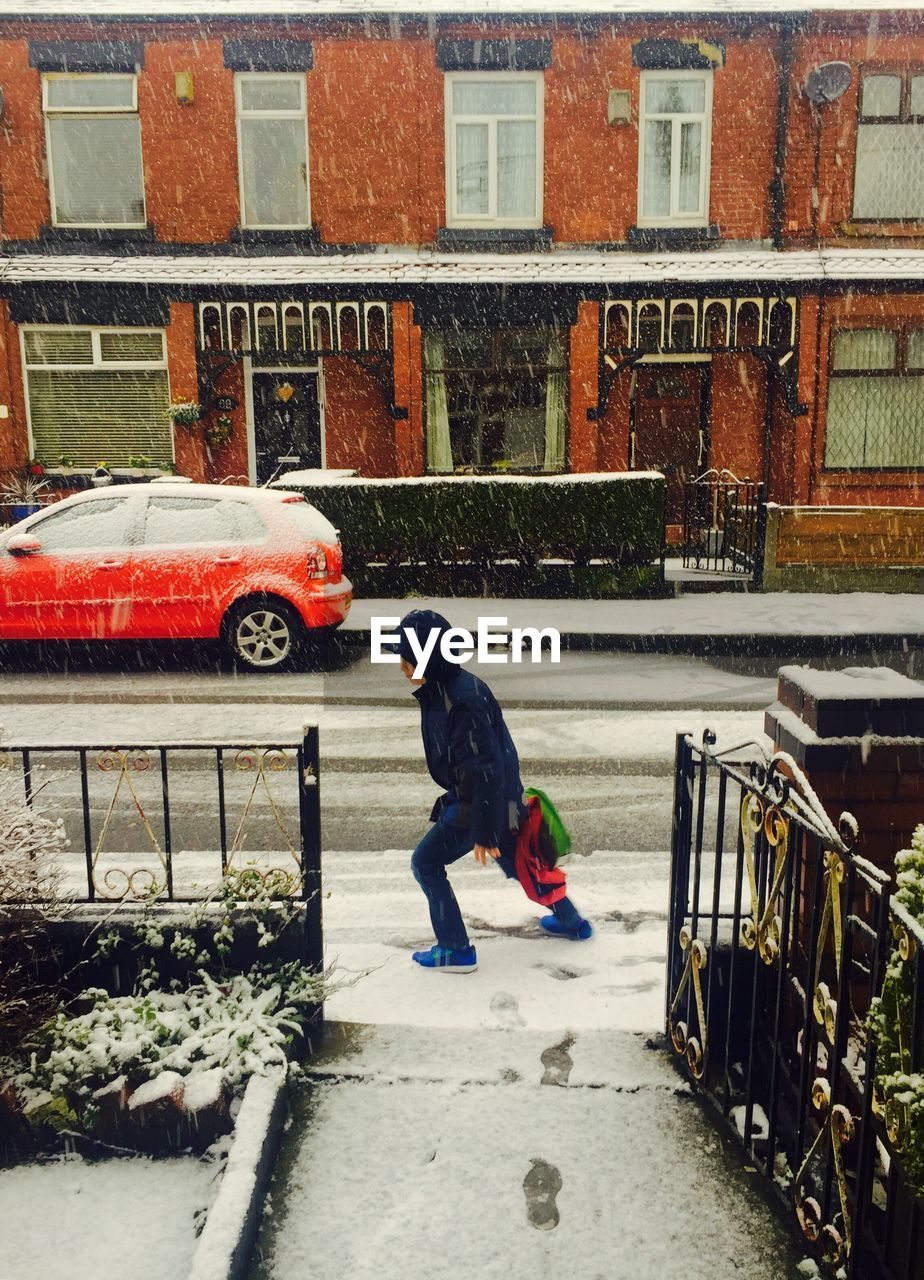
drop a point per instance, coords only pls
(264, 634)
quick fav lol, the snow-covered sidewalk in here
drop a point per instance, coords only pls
(769, 614)
(514, 1123)
(509, 1155)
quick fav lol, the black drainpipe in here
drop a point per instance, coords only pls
(777, 182)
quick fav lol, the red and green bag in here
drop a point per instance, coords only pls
(553, 838)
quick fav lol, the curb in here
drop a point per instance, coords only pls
(226, 1245)
(707, 644)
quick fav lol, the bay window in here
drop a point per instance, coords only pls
(876, 399)
(97, 395)
(495, 400)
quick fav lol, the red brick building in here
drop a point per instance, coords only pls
(548, 238)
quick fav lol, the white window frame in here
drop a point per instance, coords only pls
(51, 113)
(241, 113)
(98, 362)
(704, 118)
(453, 219)
(905, 119)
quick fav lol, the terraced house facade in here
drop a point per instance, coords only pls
(528, 239)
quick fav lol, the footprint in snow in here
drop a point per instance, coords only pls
(541, 1187)
(557, 1062)
(562, 972)
(506, 1010)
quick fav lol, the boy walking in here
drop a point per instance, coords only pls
(471, 755)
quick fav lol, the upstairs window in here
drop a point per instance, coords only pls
(93, 137)
(674, 142)
(889, 174)
(494, 149)
(876, 399)
(272, 142)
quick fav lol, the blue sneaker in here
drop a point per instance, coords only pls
(463, 961)
(580, 933)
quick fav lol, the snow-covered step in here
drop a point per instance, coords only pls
(439, 1146)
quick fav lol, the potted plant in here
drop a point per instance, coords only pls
(184, 413)
(22, 494)
(139, 464)
(218, 432)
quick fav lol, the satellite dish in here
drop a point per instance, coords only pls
(827, 83)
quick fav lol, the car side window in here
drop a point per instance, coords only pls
(102, 525)
(172, 522)
(250, 526)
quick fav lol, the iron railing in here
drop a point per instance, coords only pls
(724, 522)
(779, 937)
(155, 822)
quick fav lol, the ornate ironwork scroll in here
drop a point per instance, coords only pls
(693, 1048)
(124, 882)
(764, 930)
(838, 1130)
(263, 764)
(832, 923)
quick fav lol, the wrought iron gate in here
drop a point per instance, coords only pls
(724, 521)
(779, 938)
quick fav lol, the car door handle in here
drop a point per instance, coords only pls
(227, 560)
(112, 564)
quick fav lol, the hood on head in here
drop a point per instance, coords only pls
(422, 622)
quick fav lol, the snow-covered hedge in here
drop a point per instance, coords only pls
(617, 517)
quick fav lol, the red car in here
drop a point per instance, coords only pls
(256, 568)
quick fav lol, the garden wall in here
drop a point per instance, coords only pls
(844, 549)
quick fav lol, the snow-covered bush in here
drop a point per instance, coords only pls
(239, 1028)
(29, 898)
(909, 865)
(204, 1033)
(900, 1090)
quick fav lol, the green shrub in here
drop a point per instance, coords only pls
(477, 523)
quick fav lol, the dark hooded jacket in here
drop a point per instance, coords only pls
(468, 747)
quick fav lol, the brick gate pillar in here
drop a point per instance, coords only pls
(859, 736)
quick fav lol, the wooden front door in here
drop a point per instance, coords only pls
(286, 421)
(668, 432)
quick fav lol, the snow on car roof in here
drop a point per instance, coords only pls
(409, 267)
(180, 488)
(484, 8)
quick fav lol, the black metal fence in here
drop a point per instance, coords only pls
(150, 823)
(724, 522)
(779, 938)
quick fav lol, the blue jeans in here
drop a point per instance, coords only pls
(444, 844)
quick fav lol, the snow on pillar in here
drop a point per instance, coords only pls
(859, 736)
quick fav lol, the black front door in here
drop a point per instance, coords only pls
(286, 422)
